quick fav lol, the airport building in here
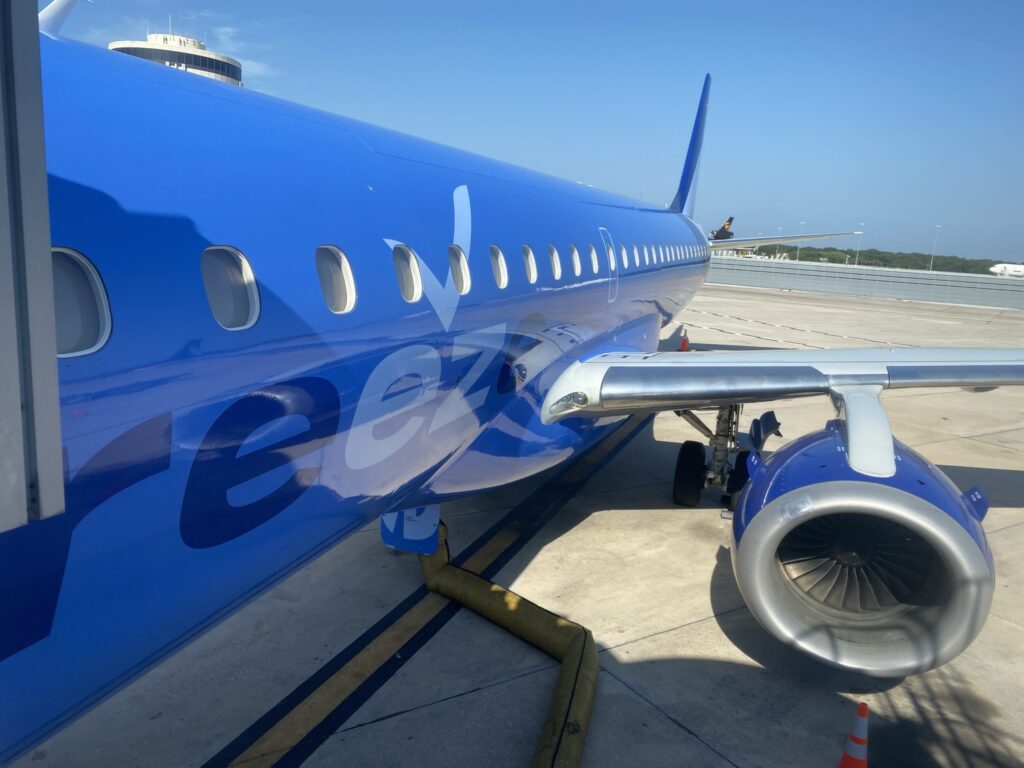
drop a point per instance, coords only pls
(185, 53)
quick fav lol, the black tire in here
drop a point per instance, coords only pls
(737, 479)
(689, 477)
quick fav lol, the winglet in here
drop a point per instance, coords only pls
(693, 152)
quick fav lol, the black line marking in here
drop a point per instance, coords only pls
(528, 517)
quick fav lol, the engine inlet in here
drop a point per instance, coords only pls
(860, 563)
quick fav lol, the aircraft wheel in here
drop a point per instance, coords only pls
(737, 479)
(689, 477)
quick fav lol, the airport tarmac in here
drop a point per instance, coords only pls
(349, 661)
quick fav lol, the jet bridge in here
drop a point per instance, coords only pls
(31, 466)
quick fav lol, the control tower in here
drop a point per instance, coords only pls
(185, 53)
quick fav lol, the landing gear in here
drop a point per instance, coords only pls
(738, 477)
(725, 466)
(690, 476)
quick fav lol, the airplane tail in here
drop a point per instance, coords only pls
(685, 195)
(724, 232)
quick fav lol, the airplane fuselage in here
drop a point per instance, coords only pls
(203, 463)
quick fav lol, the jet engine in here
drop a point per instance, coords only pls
(887, 576)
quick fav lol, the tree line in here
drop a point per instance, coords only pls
(872, 257)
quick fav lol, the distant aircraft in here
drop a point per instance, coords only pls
(724, 232)
(1008, 270)
(276, 325)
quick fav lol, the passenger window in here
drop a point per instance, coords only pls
(636, 256)
(336, 281)
(230, 287)
(407, 268)
(556, 262)
(529, 264)
(647, 257)
(80, 302)
(577, 268)
(624, 255)
(499, 267)
(611, 259)
(460, 269)
(593, 260)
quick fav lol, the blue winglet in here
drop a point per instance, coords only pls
(693, 152)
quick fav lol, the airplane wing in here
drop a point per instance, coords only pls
(749, 243)
(616, 384)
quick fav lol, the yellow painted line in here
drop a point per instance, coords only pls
(293, 727)
(318, 705)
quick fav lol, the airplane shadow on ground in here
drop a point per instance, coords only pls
(1004, 487)
(936, 719)
(939, 713)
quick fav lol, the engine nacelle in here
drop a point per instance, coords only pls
(885, 576)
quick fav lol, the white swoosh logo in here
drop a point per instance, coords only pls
(444, 298)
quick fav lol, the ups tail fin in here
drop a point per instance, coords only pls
(686, 182)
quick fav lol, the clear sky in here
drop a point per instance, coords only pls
(902, 115)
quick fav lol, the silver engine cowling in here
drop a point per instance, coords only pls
(884, 576)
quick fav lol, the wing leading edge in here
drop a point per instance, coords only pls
(611, 384)
(617, 384)
(749, 243)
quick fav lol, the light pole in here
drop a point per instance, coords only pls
(935, 240)
(798, 241)
(778, 233)
(856, 259)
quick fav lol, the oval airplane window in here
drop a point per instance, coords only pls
(407, 268)
(624, 255)
(499, 267)
(611, 259)
(336, 280)
(636, 256)
(577, 267)
(460, 269)
(529, 264)
(593, 260)
(80, 304)
(647, 257)
(230, 287)
(556, 262)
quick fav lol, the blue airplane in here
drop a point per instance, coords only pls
(276, 325)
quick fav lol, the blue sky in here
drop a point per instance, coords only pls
(902, 115)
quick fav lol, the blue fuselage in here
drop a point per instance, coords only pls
(203, 463)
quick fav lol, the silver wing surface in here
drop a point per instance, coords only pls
(749, 243)
(618, 384)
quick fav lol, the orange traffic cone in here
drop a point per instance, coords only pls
(684, 343)
(856, 753)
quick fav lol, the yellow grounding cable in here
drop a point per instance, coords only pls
(565, 730)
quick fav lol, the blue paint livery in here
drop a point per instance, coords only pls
(204, 464)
